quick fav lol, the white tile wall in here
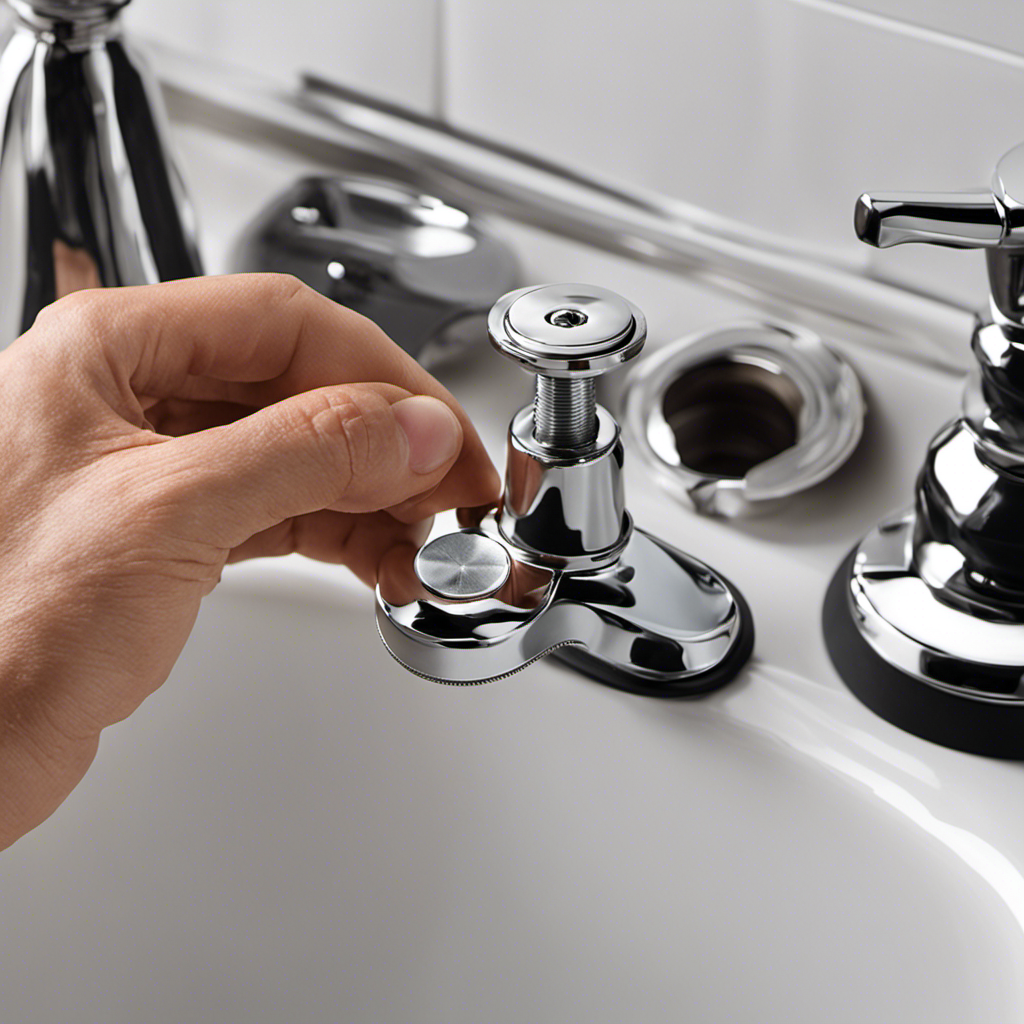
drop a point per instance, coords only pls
(386, 48)
(778, 112)
(998, 23)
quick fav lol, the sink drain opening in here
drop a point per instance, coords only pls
(736, 418)
(727, 416)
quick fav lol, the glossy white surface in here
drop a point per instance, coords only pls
(776, 112)
(387, 49)
(294, 829)
(996, 23)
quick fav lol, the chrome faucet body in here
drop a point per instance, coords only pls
(88, 193)
(560, 567)
(925, 619)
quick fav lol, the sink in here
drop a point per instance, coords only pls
(294, 828)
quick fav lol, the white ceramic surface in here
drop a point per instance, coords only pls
(294, 829)
(996, 23)
(776, 112)
(387, 49)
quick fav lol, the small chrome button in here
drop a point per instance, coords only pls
(463, 566)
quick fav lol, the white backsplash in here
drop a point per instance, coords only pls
(775, 112)
(387, 49)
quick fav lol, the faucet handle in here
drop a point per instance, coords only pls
(959, 220)
(992, 220)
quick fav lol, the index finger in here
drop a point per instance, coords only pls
(255, 339)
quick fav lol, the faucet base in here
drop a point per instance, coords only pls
(656, 622)
(672, 687)
(923, 653)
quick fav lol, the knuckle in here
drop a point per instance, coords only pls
(349, 424)
(344, 426)
(283, 289)
(75, 324)
(83, 312)
(288, 290)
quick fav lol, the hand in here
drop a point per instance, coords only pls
(150, 435)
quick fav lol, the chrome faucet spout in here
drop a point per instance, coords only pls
(88, 193)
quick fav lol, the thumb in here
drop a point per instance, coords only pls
(352, 448)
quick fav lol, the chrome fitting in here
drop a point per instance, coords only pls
(925, 618)
(564, 503)
(560, 567)
(90, 195)
(737, 419)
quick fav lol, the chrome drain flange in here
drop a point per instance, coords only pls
(736, 419)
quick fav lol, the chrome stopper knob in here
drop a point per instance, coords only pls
(567, 334)
(463, 566)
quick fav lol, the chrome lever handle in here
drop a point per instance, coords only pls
(991, 219)
(958, 220)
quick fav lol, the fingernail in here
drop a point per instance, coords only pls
(432, 429)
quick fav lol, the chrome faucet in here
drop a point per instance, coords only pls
(925, 619)
(88, 193)
(560, 566)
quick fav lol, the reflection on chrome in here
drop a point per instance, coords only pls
(560, 567)
(736, 419)
(937, 593)
(656, 617)
(424, 271)
(88, 195)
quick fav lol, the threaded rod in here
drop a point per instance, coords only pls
(564, 411)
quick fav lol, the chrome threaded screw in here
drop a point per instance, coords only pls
(564, 411)
(567, 334)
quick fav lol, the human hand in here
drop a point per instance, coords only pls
(151, 435)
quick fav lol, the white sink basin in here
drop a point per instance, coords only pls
(295, 829)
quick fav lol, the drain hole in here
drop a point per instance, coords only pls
(728, 416)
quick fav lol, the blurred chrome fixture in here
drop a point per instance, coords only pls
(88, 194)
(818, 285)
(560, 567)
(737, 418)
(925, 619)
(422, 269)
